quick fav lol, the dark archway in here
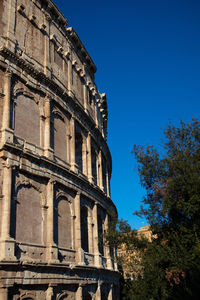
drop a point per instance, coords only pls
(62, 223)
(84, 229)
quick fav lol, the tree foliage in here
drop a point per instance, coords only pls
(170, 264)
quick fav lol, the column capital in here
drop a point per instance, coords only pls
(48, 98)
(8, 73)
(52, 181)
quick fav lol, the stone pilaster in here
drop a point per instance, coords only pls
(70, 70)
(49, 293)
(52, 250)
(77, 209)
(7, 246)
(4, 294)
(84, 155)
(100, 171)
(110, 295)
(79, 293)
(89, 157)
(7, 133)
(10, 34)
(47, 66)
(95, 236)
(98, 291)
(72, 144)
(90, 233)
(85, 92)
(108, 181)
(106, 247)
(47, 129)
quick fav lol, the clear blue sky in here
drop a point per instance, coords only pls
(147, 54)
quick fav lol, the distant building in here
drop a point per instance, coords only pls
(55, 164)
(145, 232)
(130, 259)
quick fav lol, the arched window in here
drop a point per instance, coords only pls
(62, 223)
(27, 118)
(59, 136)
(28, 215)
(84, 229)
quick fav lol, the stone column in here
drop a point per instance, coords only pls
(98, 291)
(7, 133)
(90, 232)
(106, 247)
(7, 243)
(89, 157)
(6, 191)
(95, 112)
(108, 181)
(110, 295)
(4, 294)
(77, 208)
(97, 167)
(11, 20)
(49, 293)
(70, 70)
(47, 66)
(47, 129)
(79, 293)
(6, 105)
(52, 250)
(84, 155)
(72, 143)
(95, 236)
(85, 90)
(100, 171)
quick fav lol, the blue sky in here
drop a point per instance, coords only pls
(147, 55)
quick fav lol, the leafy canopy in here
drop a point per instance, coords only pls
(170, 263)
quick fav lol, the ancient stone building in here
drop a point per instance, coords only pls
(55, 165)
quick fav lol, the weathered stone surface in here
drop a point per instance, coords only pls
(55, 165)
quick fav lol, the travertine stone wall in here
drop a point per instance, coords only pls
(55, 165)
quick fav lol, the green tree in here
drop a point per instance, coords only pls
(170, 264)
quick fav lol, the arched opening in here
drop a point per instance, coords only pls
(59, 137)
(103, 296)
(28, 215)
(79, 150)
(87, 297)
(100, 234)
(84, 229)
(62, 223)
(27, 119)
(94, 165)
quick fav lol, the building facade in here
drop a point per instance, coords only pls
(129, 258)
(55, 165)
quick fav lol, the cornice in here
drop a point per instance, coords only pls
(73, 36)
(56, 168)
(63, 94)
(53, 9)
